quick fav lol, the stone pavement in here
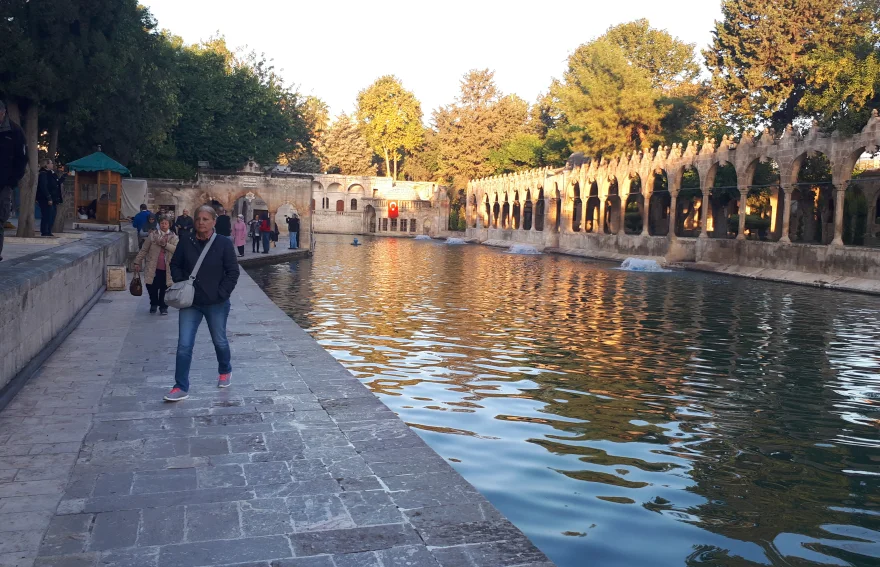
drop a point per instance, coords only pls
(297, 464)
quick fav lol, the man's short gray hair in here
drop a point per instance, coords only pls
(207, 209)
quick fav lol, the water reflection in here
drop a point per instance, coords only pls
(618, 418)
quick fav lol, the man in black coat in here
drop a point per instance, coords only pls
(47, 195)
(213, 286)
(184, 224)
(13, 162)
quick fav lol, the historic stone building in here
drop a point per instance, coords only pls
(635, 205)
(325, 203)
(361, 205)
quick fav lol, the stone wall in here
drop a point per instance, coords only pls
(40, 296)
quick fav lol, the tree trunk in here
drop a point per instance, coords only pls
(53, 139)
(395, 168)
(387, 163)
(28, 185)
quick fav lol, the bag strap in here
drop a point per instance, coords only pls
(195, 271)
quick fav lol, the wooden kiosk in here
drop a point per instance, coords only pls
(98, 187)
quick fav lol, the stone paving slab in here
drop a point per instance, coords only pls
(297, 464)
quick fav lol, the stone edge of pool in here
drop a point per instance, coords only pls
(510, 539)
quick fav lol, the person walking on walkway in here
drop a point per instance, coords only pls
(149, 225)
(13, 163)
(224, 224)
(293, 229)
(255, 233)
(184, 223)
(239, 234)
(213, 286)
(157, 251)
(265, 231)
(47, 187)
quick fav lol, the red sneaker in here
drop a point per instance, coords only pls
(224, 380)
(175, 395)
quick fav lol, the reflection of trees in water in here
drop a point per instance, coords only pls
(722, 387)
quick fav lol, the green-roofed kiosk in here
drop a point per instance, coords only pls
(98, 186)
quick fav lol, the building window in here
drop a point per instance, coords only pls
(412, 225)
(340, 207)
(393, 225)
(403, 225)
(313, 205)
(384, 225)
(354, 204)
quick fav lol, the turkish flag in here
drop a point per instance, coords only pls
(392, 210)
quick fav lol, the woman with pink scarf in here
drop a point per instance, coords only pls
(239, 234)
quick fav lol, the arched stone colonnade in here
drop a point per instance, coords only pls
(591, 196)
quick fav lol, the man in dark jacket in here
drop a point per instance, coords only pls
(213, 286)
(47, 190)
(224, 224)
(184, 223)
(13, 162)
(293, 229)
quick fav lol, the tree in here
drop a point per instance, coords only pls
(772, 62)
(52, 49)
(391, 118)
(523, 151)
(610, 106)
(480, 121)
(345, 149)
(668, 61)
(315, 114)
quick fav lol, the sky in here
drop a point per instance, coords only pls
(333, 48)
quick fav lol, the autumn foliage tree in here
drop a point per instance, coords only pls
(391, 119)
(344, 149)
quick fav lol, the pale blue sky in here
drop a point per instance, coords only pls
(334, 48)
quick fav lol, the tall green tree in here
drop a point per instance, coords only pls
(345, 149)
(774, 62)
(668, 61)
(391, 118)
(480, 121)
(610, 106)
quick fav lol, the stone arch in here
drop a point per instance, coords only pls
(370, 215)
(540, 206)
(577, 207)
(516, 211)
(558, 223)
(487, 219)
(505, 213)
(474, 211)
(334, 188)
(356, 188)
(611, 220)
(689, 213)
(633, 206)
(592, 222)
(659, 209)
(285, 210)
(246, 203)
(812, 200)
(528, 212)
(496, 212)
(317, 187)
(722, 218)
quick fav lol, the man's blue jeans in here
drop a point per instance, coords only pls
(265, 237)
(190, 319)
(293, 240)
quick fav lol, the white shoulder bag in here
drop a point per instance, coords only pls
(181, 294)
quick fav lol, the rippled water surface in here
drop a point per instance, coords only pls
(618, 418)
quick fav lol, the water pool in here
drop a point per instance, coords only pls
(618, 418)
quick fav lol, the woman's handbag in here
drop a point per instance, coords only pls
(136, 288)
(181, 294)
